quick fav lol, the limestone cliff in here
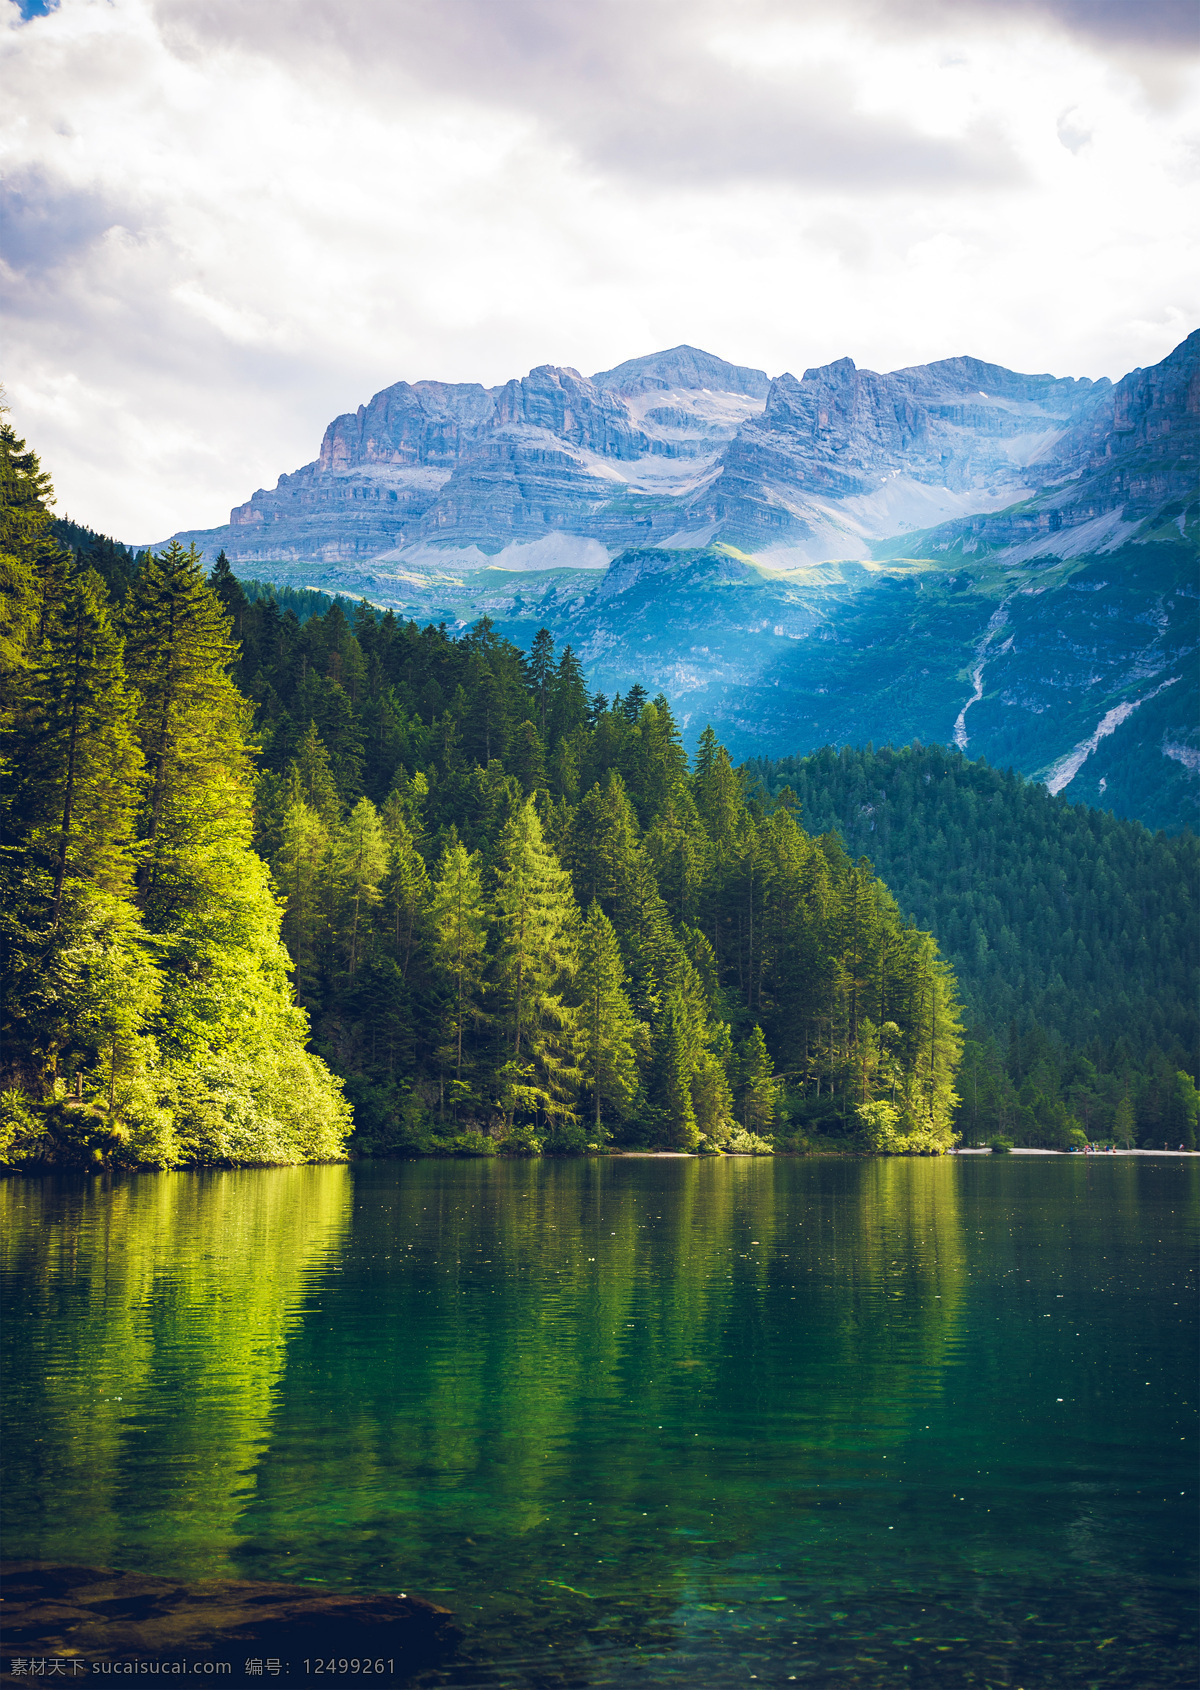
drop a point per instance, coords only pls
(953, 551)
(677, 448)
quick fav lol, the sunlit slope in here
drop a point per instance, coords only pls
(1020, 661)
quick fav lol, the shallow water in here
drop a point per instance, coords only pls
(637, 1422)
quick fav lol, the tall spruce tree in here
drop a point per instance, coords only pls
(244, 1085)
(77, 768)
(609, 1035)
(77, 978)
(535, 918)
(406, 889)
(459, 919)
(27, 546)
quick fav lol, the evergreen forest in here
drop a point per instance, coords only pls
(514, 917)
(1073, 934)
(147, 1009)
(287, 878)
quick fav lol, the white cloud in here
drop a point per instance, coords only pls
(227, 223)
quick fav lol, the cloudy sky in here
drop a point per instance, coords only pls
(225, 222)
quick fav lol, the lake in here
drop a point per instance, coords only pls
(652, 1422)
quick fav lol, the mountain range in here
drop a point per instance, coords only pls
(953, 551)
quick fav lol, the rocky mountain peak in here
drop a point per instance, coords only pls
(686, 368)
(564, 403)
(679, 449)
(424, 422)
(840, 373)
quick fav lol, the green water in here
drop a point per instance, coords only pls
(637, 1422)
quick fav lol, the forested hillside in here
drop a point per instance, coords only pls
(147, 1014)
(1073, 932)
(517, 916)
(117, 566)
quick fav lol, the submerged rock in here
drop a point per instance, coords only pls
(96, 1614)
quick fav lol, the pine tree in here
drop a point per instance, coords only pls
(459, 919)
(27, 545)
(535, 917)
(364, 861)
(406, 890)
(244, 1086)
(77, 768)
(1123, 1122)
(229, 591)
(608, 1031)
(757, 1091)
(77, 980)
(75, 965)
(297, 868)
(675, 1050)
(541, 668)
(528, 763)
(191, 721)
(568, 698)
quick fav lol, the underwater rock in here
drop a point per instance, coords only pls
(95, 1614)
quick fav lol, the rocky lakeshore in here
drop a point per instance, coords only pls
(231, 1628)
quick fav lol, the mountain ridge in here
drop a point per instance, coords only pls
(678, 446)
(952, 552)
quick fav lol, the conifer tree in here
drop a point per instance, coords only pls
(297, 867)
(75, 973)
(568, 698)
(26, 547)
(535, 918)
(541, 669)
(459, 919)
(608, 1031)
(233, 1039)
(406, 889)
(229, 591)
(364, 861)
(75, 966)
(78, 771)
(192, 722)
(673, 1062)
(756, 1084)
(528, 763)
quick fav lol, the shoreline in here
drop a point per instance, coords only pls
(43, 1169)
(1086, 1155)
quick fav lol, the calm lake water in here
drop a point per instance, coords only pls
(637, 1422)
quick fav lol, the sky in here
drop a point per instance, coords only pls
(225, 223)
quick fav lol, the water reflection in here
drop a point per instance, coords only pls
(147, 1324)
(627, 1408)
